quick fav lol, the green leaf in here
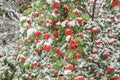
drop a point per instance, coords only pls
(28, 11)
(27, 65)
(59, 64)
(85, 17)
(22, 22)
(71, 7)
(70, 54)
(72, 15)
(110, 75)
(80, 42)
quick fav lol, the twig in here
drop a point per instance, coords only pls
(93, 10)
(93, 16)
(85, 11)
(88, 12)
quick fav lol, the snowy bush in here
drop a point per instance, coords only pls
(67, 39)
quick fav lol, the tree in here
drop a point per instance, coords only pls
(69, 39)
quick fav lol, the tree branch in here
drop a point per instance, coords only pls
(93, 16)
(88, 12)
(93, 10)
(85, 11)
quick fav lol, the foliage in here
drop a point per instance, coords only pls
(76, 38)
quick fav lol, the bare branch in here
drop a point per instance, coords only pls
(83, 9)
(93, 10)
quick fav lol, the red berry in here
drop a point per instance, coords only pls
(68, 32)
(37, 50)
(110, 69)
(77, 55)
(54, 21)
(37, 33)
(34, 64)
(89, 28)
(36, 14)
(76, 11)
(56, 72)
(72, 41)
(114, 3)
(28, 21)
(14, 55)
(95, 30)
(79, 78)
(56, 11)
(65, 8)
(56, 50)
(46, 47)
(116, 77)
(22, 58)
(46, 36)
(79, 20)
(105, 55)
(31, 78)
(90, 59)
(67, 25)
(55, 34)
(61, 53)
(69, 67)
(55, 4)
(112, 17)
(98, 42)
(94, 52)
(112, 41)
(112, 36)
(70, 47)
(47, 21)
(80, 35)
